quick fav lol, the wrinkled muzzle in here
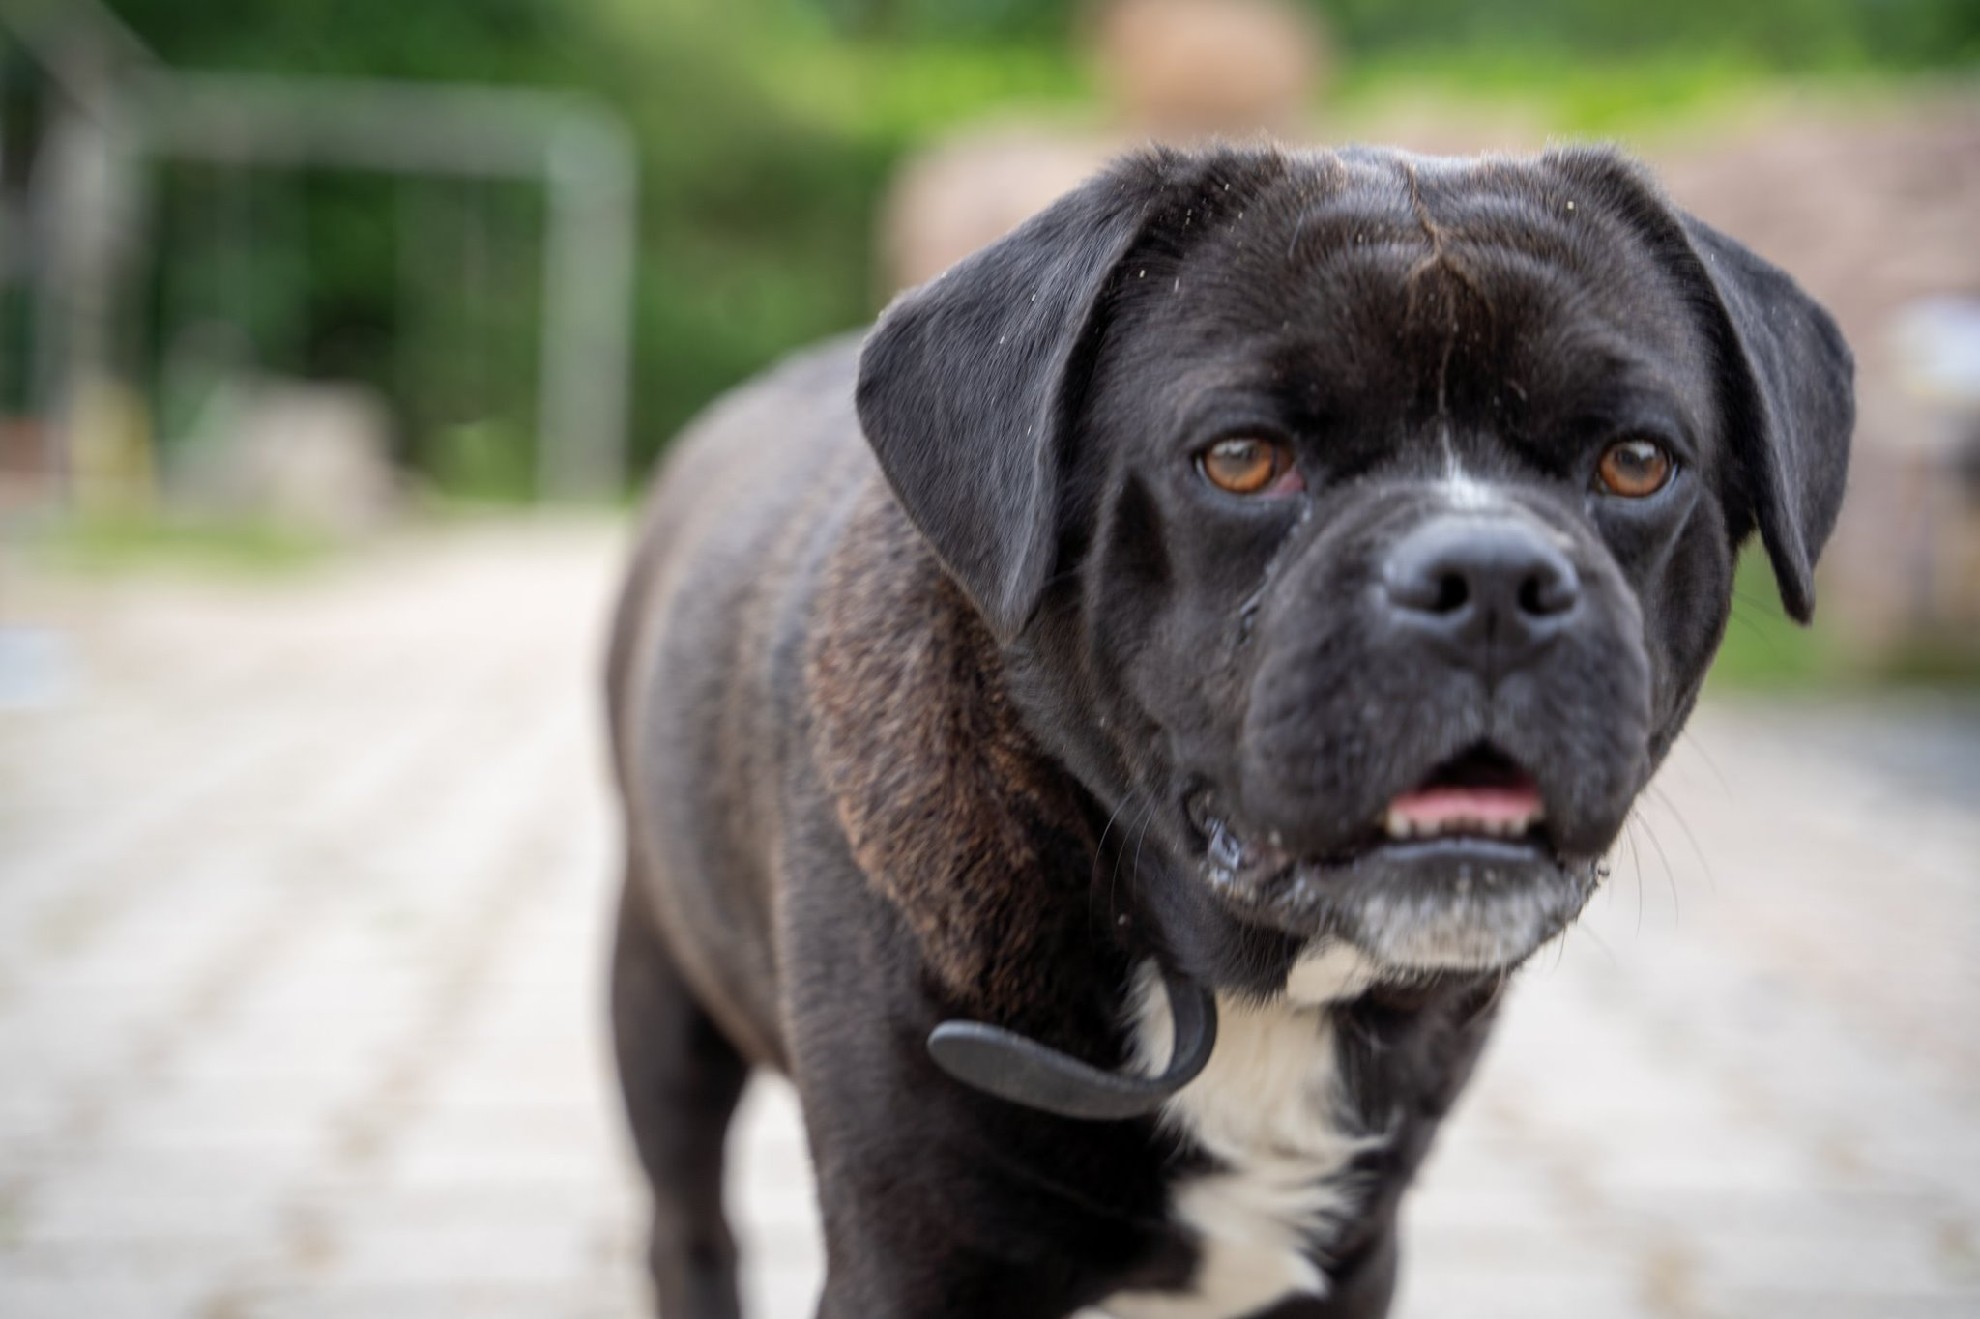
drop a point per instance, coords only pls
(1447, 723)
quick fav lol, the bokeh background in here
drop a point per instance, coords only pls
(334, 342)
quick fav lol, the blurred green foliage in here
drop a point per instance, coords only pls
(1765, 650)
(1763, 647)
(765, 137)
(767, 129)
(117, 544)
(1780, 35)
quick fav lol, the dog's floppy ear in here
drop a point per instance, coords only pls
(1786, 375)
(969, 383)
(1798, 405)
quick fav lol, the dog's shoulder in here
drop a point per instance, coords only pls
(950, 808)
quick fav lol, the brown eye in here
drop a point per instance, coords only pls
(1634, 469)
(1245, 466)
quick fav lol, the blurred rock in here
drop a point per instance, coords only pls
(26, 473)
(1905, 564)
(1187, 68)
(1875, 212)
(1873, 207)
(1175, 70)
(1937, 343)
(972, 190)
(309, 455)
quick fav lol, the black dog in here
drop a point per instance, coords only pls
(1115, 788)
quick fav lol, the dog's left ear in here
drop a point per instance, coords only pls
(1787, 376)
(970, 383)
(1798, 405)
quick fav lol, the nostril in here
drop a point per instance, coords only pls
(1549, 590)
(1434, 590)
(1460, 575)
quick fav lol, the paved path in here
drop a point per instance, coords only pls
(302, 900)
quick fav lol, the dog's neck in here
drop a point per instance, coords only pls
(1306, 1127)
(983, 844)
(987, 846)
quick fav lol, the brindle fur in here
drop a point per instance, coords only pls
(950, 808)
(910, 696)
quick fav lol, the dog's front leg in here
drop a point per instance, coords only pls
(922, 1219)
(878, 1277)
(938, 1200)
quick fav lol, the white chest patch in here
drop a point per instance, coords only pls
(1268, 1109)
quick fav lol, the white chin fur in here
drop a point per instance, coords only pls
(1332, 971)
(1469, 931)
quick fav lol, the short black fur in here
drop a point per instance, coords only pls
(944, 683)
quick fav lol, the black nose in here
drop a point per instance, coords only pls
(1490, 591)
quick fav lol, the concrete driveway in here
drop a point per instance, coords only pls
(303, 891)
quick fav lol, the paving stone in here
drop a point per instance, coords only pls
(417, 1300)
(305, 900)
(1563, 1289)
(62, 1295)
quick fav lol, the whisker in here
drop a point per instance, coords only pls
(1100, 851)
(1500, 980)
(1670, 875)
(1114, 880)
(1560, 950)
(1147, 819)
(1704, 861)
(1636, 868)
(1588, 932)
(1697, 745)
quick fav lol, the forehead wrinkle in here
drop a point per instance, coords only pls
(1444, 208)
(1331, 246)
(1507, 284)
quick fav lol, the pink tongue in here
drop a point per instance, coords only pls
(1440, 805)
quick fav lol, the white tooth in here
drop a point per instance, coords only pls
(1395, 825)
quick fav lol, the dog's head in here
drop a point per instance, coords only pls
(1359, 527)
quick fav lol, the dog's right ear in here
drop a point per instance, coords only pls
(969, 384)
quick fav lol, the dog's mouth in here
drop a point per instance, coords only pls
(1459, 870)
(1482, 793)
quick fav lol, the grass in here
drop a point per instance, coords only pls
(1764, 648)
(1642, 100)
(891, 96)
(110, 544)
(1763, 651)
